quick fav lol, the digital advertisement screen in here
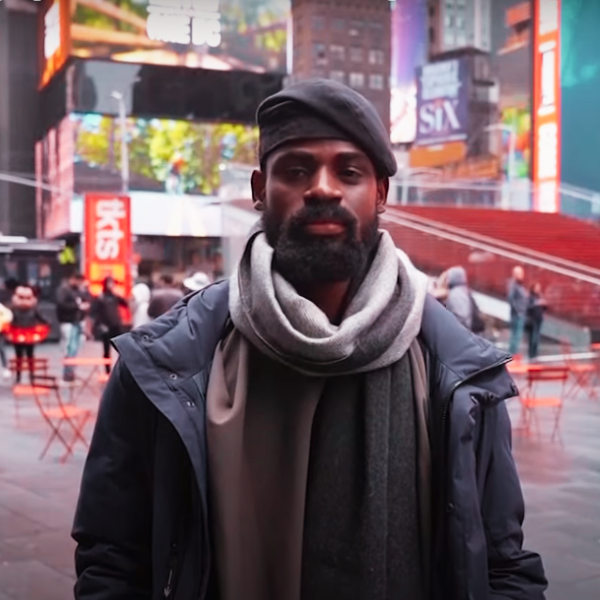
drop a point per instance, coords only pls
(519, 120)
(409, 51)
(177, 157)
(580, 91)
(224, 35)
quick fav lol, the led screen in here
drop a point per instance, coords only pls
(224, 35)
(178, 157)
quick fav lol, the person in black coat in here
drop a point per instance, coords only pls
(403, 474)
(106, 315)
(536, 310)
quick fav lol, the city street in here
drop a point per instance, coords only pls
(37, 500)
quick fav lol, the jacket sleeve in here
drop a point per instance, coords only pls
(112, 525)
(514, 573)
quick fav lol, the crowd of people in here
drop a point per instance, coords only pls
(527, 307)
(82, 316)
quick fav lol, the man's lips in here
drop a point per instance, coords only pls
(325, 228)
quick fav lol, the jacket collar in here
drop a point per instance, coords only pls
(464, 355)
(184, 340)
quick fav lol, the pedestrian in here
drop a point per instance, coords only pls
(458, 298)
(164, 297)
(518, 300)
(196, 282)
(535, 318)
(108, 322)
(139, 306)
(26, 317)
(316, 426)
(71, 310)
(6, 317)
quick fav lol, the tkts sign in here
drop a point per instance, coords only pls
(108, 242)
(546, 105)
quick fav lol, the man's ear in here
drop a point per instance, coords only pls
(259, 190)
(383, 188)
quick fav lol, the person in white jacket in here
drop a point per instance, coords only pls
(139, 306)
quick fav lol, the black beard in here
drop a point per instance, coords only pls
(303, 259)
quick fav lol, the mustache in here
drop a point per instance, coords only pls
(321, 212)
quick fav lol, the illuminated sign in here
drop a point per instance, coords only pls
(52, 31)
(442, 102)
(546, 105)
(54, 38)
(196, 22)
(108, 241)
(221, 35)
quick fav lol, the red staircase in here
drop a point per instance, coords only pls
(553, 234)
(439, 238)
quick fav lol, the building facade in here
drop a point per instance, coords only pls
(348, 41)
(455, 24)
(18, 115)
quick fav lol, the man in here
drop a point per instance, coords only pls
(71, 308)
(518, 300)
(316, 427)
(164, 297)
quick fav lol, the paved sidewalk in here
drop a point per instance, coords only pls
(37, 501)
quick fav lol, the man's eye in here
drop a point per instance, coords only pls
(296, 172)
(351, 173)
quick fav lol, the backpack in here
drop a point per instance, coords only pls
(477, 322)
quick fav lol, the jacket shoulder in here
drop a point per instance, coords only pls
(460, 353)
(183, 340)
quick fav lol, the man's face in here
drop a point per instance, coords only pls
(321, 201)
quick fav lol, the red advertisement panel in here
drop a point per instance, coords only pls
(546, 105)
(108, 246)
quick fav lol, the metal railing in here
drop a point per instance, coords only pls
(429, 189)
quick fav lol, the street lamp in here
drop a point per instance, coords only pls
(512, 146)
(118, 96)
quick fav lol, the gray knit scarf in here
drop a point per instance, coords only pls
(331, 442)
(380, 323)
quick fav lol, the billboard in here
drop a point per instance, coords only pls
(442, 102)
(53, 38)
(546, 105)
(409, 51)
(224, 35)
(517, 119)
(169, 158)
(580, 90)
(54, 168)
(108, 243)
(176, 157)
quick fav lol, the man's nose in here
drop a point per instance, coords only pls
(324, 188)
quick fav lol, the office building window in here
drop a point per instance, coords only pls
(376, 57)
(319, 54)
(339, 25)
(357, 80)
(356, 54)
(337, 52)
(355, 28)
(376, 82)
(318, 23)
(338, 76)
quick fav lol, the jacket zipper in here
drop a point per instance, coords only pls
(447, 402)
(168, 589)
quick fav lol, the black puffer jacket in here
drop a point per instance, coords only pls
(142, 519)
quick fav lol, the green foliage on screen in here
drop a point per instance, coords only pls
(155, 144)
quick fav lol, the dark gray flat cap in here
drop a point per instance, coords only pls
(324, 109)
